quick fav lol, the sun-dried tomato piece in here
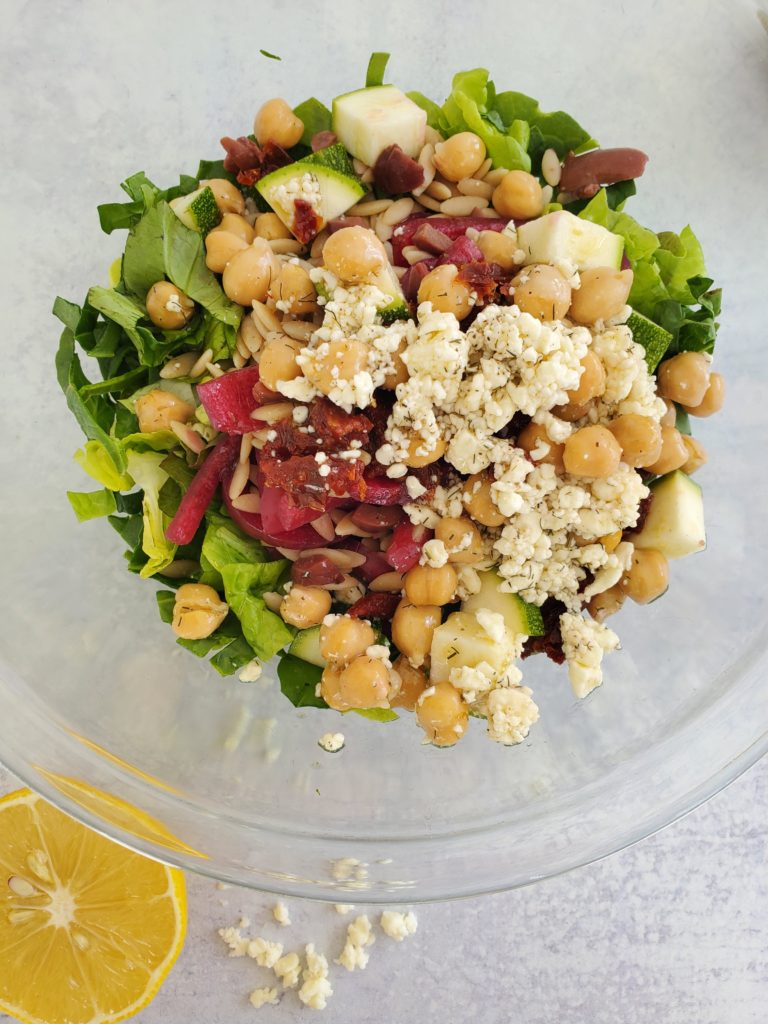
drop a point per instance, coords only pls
(300, 477)
(332, 424)
(551, 643)
(250, 161)
(480, 278)
(375, 606)
(306, 222)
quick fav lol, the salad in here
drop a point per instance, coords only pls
(399, 393)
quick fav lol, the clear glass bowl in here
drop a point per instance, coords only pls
(228, 777)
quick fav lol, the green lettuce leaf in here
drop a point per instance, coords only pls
(99, 462)
(233, 657)
(555, 130)
(298, 681)
(639, 243)
(233, 649)
(92, 504)
(244, 585)
(147, 472)
(377, 67)
(225, 544)
(144, 194)
(160, 246)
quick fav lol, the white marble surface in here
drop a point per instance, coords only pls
(671, 931)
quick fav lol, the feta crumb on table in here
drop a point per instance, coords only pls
(397, 925)
(263, 997)
(332, 742)
(281, 914)
(354, 955)
(316, 988)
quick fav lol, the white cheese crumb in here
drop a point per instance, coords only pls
(264, 952)
(434, 554)
(511, 713)
(238, 944)
(492, 624)
(354, 955)
(263, 997)
(300, 414)
(288, 970)
(343, 908)
(316, 989)
(251, 672)
(414, 487)
(281, 914)
(331, 741)
(398, 926)
(584, 644)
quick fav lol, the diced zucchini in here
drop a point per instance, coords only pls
(520, 618)
(325, 180)
(675, 522)
(462, 642)
(561, 236)
(369, 120)
(198, 210)
(654, 339)
(306, 645)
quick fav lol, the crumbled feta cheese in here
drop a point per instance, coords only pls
(343, 908)
(346, 868)
(584, 644)
(468, 582)
(316, 989)
(380, 652)
(238, 944)
(398, 926)
(629, 387)
(492, 624)
(281, 914)
(300, 414)
(331, 741)
(414, 487)
(263, 997)
(324, 470)
(354, 955)
(306, 188)
(397, 471)
(511, 713)
(264, 952)
(173, 305)
(288, 970)
(251, 672)
(434, 554)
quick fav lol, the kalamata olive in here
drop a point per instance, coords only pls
(583, 175)
(316, 571)
(396, 172)
(431, 239)
(321, 140)
(377, 518)
(346, 222)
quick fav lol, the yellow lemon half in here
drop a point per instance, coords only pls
(88, 929)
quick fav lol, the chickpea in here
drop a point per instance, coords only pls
(229, 198)
(168, 307)
(345, 638)
(269, 226)
(602, 293)
(697, 455)
(420, 454)
(249, 273)
(442, 714)
(305, 606)
(534, 434)
(412, 629)
(519, 195)
(276, 122)
(684, 378)
(542, 291)
(294, 290)
(347, 357)
(573, 411)
(413, 682)
(498, 248)
(447, 293)
(354, 254)
(462, 540)
(591, 382)
(607, 603)
(198, 611)
(674, 454)
(592, 451)
(277, 361)
(669, 419)
(714, 397)
(365, 683)
(459, 156)
(477, 499)
(647, 577)
(237, 225)
(399, 373)
(425, 585)
(220, 247)
(330, 689)
(158, 409)
(639, 437)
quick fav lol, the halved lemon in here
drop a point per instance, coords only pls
(88, 930)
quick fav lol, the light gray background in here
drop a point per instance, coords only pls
(673, 931)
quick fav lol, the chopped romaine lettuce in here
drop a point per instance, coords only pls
(148, 474)
(244, 585)
(92, 504)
